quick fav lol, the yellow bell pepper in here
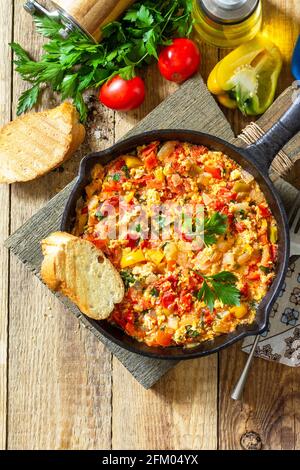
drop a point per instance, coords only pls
(247, 77)
(241, 187)
(155, 256)
(129, 257)
(159, 175)
(128, 197)
(132, 162)
(239, 312)
(273, 234)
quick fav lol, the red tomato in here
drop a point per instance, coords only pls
(101, 244)
(215, 172)
(167, 299)
(164, 337)
(227, 194)
(122, 95)
(118, 165)
(180, 60)
(274, 252)
(253, 276)
(112, 186)
(151, 161)
(245, 290)
(113, 201)
(240, 227)
(186, 301)
(263, 238)
(264, 211)
(146, 244)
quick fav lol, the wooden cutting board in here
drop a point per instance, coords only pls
(191, 107)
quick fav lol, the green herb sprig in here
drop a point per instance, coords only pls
(71, 66)
(214, 225)
(221, 286)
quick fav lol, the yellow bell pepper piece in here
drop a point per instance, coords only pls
(133, 162)
(248, 76)
(212, 82)
(128, 197)
(129, 258)
(273, 234)
(239, 312)
(155, 256)
(241, 187)
(159, 175)
(226, 101)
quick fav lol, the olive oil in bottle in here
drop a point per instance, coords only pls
(227, 23)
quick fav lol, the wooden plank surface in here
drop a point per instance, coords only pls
(60, 374)
(64, 390)
(5, 110)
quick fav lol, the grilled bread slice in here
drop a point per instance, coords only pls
(36, 143)
(79, 270)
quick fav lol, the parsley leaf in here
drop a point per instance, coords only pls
(28, 99)
(116, 177)
(72, 65)
(215, 225)
(221, 286)
(154, 292)
(128, 278)
(126, 171)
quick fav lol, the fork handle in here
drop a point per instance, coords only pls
(238, 389)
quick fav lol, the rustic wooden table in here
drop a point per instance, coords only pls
(59, 387)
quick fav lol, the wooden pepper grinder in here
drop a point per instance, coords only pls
(88, 16)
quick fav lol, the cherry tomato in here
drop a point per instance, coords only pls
(122, 95)
(180, 60)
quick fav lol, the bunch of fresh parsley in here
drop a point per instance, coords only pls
(70, 66)
(221, 286)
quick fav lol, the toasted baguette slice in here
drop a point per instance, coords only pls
(79, 270)
(36, 143)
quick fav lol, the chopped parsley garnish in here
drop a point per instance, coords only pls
(100, 216)
(265, 269)
(190, 333)
(116, 177)
(138, 228)
(125, 169)
(128, 278)
(221, 287)
(154, 292)
(243, 214)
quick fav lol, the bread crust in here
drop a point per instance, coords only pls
(79, 270)
(36, 143)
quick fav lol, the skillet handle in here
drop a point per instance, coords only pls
(267, 147)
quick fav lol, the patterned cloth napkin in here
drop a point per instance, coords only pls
(281, 342)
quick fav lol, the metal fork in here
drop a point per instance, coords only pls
(294, 223)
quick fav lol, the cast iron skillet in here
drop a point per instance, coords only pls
(256, 159)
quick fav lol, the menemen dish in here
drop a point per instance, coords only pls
(181, 288)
